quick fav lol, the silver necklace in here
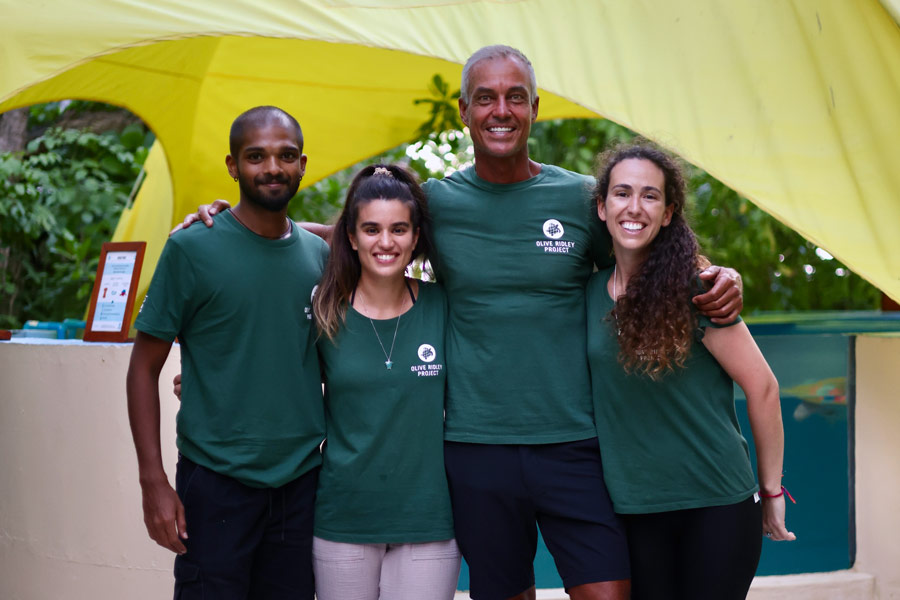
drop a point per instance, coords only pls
(387, 355)
(615, 301)
(615, 295)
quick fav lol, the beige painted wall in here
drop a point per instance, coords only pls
(70, 510)
(71, 524)
(878, 461)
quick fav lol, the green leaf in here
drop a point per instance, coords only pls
(112, 165)
(132, 136)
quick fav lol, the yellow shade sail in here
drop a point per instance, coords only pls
(149, 218)
(793, 103)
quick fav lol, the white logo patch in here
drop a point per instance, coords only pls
(553, 229)
(426, 353)
(307, 310)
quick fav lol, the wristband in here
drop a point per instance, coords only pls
(779, 494)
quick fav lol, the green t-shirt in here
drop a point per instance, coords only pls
(382, 478)
(671, 444)
(239, 304)
(514, 260)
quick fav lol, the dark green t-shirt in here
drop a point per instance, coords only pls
(382, 478)
(670, 444)
(514, 260)
(239, 304)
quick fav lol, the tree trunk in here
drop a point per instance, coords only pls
(13, 130)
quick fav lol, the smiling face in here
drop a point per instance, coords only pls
(500, 110)
(635, 206)
(384, 238)
(269, 165)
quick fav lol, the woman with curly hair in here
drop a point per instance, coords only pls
(674, 459)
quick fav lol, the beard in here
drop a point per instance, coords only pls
(273, 202)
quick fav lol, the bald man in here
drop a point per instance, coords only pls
(251, 417)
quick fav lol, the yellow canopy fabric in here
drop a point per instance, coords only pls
(794, 103)
(149, 218)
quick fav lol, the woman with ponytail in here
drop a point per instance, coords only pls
(383, 526)
(675, 462)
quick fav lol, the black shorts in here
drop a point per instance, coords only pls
(708, 553)
(499, 493)
(244, 542)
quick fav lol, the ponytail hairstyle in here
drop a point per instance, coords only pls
(342, 271)
(654, 319)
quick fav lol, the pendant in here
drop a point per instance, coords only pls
(388, 364)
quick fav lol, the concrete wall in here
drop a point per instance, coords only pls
(877, 458)
(71, 524)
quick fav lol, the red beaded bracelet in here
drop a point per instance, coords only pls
(778, 495)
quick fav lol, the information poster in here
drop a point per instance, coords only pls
(113, 297)
(112, 300)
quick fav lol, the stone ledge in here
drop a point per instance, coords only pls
(837, 585)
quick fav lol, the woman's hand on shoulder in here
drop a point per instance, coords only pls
(204, 213)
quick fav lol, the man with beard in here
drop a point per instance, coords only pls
(237, 297)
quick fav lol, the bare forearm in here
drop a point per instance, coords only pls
(163, 511)
(142, 385)
(737, 353)
(143, 416)
(768, 434)
(323, 231)
(764, 411)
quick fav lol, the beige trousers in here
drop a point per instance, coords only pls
(427, 571)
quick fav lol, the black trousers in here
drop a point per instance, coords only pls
(695, 554)
(244, 542)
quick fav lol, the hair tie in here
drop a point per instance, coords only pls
(382, 171)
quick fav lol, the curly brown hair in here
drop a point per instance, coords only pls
(655, 321)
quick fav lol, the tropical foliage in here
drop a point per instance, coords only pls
(60, 200)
